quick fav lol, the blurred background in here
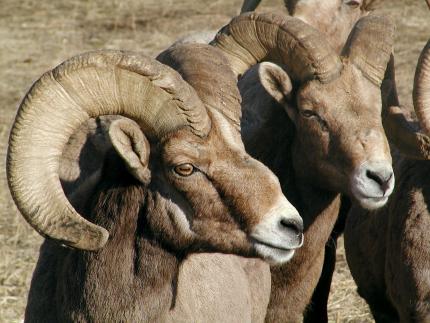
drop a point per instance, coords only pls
(37, 35)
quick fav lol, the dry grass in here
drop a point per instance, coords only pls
(36, 35)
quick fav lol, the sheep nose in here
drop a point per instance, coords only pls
(293, 227)
(383, 176)
(372, 183)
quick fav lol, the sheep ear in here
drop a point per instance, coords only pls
(133, 147)
(278, 84)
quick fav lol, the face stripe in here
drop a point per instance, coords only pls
(227, 131)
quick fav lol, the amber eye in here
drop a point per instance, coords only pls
(184, 169)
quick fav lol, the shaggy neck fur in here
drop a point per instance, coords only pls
(131, 278)
(294, 283)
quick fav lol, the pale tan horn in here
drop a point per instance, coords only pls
(209, 74)
(83, 87)
(251, 38)
(370, 46)
(409, 140)
(421, 93)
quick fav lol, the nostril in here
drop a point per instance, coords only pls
(383, 179)
(374, 176)
(292, 225)
(386, 185)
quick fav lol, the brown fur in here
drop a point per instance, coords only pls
(388, 250)
(133, 278)
(157, 218)
(313, 158)
(76, 286)
(336, 19)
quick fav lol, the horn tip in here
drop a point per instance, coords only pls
(94, 241)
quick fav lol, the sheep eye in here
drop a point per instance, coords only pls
(309, 114)
(184, 169)
(353, 3)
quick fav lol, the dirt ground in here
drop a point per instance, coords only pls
(36, 35)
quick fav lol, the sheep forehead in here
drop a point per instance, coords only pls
(316, 10)
(321, 4)
(325, 5)
(223, 142)
(351, 107)
(351, 93)
(334, 17)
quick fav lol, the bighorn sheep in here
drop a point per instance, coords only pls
(388, 251)
(335, 18)
(179, 182)
(323, 136)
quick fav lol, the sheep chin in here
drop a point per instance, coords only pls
(372, 203)
(273, 255)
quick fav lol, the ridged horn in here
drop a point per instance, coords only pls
(401, 133)
(251, 38)
(421, 92)
(209, 74)
(406, 137)
(83, 87)
(370, 46)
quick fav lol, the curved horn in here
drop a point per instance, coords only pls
(421, 93)
(251, 38)
(86, 86)
(370, 45)
(209, 74)
(406, 137)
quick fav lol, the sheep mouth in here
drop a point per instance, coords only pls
(363, 195)
(268, 244)
(372, 202)
(273, 254)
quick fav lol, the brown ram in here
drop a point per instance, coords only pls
(335, 18)
(321, 133)
(388, 251)
(179, 182)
